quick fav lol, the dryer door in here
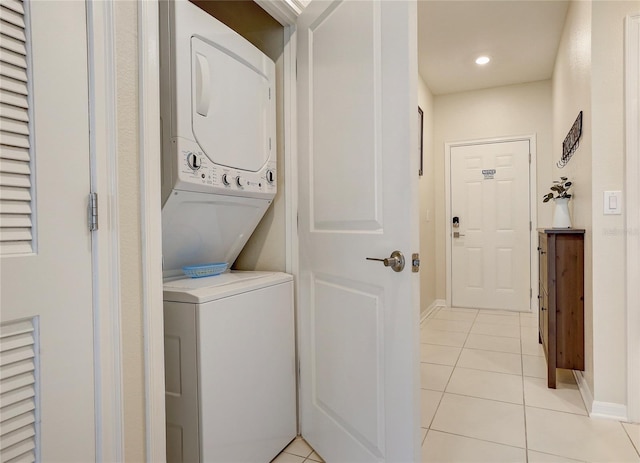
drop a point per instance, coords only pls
(233, 110)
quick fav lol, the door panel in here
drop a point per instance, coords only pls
(490, 260)
(358, 320)
(52, 287)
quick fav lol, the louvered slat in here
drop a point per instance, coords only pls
(15, 355)
(13, 194)
(18, 422)
(15, 180)
(14, 152)
(14, 99)
(11, 57)
(13, 85)
(16, 409)
(10, 15)
(14, 369)
(16, 235)
(16, 453)
(14, 113)
(14, 45)
(14, 5)
(12, 31)
(14, 207)
(18, 386)
(14, 72)
(14, 167)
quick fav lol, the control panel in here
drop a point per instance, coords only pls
(196, 172)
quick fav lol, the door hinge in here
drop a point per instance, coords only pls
(530, 225)
(529, 158)
(92, 210)
(270, 98)
(530, 293)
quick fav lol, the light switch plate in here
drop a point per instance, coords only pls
(612, 204)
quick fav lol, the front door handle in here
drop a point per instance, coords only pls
(396, 261)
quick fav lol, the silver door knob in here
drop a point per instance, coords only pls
(396, 261)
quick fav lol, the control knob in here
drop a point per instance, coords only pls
(241, 182)
(194, 161)
(225, 180)
(270, 176)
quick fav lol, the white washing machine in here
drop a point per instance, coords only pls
(229, 339)
(230, 369)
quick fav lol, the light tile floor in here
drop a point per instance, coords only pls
(298, 451)
(485, 398)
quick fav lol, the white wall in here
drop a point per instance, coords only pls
(572, 94)
(589, 76)
(427, 202)
(608, 151)
(497, 112)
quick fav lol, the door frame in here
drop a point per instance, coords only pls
(108, 406)
(632, 161)
(533, 212)
(286, 13)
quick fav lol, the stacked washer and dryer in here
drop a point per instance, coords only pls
(229, 338)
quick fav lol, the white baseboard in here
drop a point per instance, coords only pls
(585, 392)
(429, 310)
(598, 409)
(609, 410)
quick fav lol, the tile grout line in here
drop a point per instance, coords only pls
(524, 404)
(633, 444)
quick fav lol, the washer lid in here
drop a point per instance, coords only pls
(201, 290)
(201, 228)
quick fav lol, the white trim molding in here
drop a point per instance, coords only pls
(436, 304)
(105, 241)
(151, 223)
(533, 210)
(284, 11)
(632, 188)
(609, 411)
(583, 387)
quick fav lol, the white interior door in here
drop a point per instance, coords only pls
(46, 316)
(358, 320)
(490, 259)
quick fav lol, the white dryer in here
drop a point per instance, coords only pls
(229, 339)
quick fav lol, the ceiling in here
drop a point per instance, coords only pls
(520, 36)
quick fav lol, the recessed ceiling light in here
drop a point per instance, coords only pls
(482, 60)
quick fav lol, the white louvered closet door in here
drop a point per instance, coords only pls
(46, 315)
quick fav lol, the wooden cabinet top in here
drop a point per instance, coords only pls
(562, 231)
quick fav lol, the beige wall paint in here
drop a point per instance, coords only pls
(427, 202)
(497, 112)
(266, 249)
(608, 231)
(129, 229)
(571, 94)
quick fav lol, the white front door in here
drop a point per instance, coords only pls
(490, 259)
(358, 320)
(46, 313)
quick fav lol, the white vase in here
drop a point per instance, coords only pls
(561, 217)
